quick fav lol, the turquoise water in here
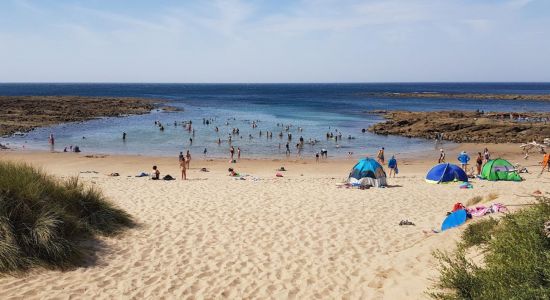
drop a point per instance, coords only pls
(316, 108)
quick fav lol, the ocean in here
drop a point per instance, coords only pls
(310, 110)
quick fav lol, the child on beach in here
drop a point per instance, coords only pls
(392, 164)
(156, 173)
(232, 172)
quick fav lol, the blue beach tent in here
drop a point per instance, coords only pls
(367, 167)
(446, 172)
(368, 172)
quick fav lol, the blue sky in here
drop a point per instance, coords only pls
(274, 41)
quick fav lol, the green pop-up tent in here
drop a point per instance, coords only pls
(499, 169)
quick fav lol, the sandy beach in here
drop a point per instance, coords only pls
(298, 237)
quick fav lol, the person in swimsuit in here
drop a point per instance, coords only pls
(188, 159)
(380, 155)
(441, 156)
(183, 168)
(232, 152)
(479, 162)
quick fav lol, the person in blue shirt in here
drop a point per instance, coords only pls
(463, 158)
(392, 164)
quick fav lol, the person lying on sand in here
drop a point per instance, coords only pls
(232, 172)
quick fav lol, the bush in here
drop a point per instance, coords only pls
(43, 221)
(517, 260)
(479, 232)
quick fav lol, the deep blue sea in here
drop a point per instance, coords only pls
(317, 109)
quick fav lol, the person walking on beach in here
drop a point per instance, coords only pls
(183, 169)
(380, 156)
(479, 163)
(463, 158)
(392, 164)
(441, 156)
(188, 159)
(232, 152)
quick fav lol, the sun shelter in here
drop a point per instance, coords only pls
(446, 172)
(499, 169)
(368, 172)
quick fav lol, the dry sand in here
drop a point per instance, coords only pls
(298, 237)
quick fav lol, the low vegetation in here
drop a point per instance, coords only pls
(43, 221)
(516, 252)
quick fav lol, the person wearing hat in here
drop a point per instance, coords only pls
(463, 158)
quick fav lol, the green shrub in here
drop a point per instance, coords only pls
(517, 260)
(43, 221)
(479, 232)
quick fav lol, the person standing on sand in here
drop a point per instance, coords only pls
(188, 159)
(486, 155)
(441, 156)
(463, 158)
(232, 152)
(380, 156)
(392, 164)
(183, 169)
(479, 163)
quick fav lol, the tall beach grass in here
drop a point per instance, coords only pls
(43, 221)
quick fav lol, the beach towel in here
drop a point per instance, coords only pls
(478, 211)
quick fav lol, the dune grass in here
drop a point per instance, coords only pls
(516, 254)
(43, 221)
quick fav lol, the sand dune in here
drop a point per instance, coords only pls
(297, 237)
